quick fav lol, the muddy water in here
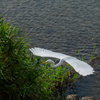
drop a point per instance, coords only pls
(67, 26)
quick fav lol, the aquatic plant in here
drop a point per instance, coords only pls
(22, 77)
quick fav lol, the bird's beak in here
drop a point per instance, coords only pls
(44, 62)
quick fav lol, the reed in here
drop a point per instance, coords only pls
(22, 77)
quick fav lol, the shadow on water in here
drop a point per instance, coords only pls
(85, 86)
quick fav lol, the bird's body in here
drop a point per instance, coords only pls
(80, 66)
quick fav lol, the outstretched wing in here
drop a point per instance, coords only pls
(80, 66)
(47, 53)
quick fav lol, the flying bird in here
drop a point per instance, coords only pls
(79, 66)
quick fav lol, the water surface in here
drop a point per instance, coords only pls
(65, 26)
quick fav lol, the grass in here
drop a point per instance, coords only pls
(22, 77)
(55, 78)
(18, 72)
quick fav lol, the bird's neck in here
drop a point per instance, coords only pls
(56, 65)
(52, 63)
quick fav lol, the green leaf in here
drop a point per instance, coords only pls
(1, 72)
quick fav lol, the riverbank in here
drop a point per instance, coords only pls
(76, 97)
(66, 26)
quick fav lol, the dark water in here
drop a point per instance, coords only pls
(66, 26)
(89, 85)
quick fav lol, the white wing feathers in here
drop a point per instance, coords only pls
(80, 66)
(47, 53)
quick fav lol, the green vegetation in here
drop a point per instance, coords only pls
(22, 77)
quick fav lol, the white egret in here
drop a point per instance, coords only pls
(81, 67)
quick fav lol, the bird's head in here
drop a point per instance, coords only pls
(48, 61)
